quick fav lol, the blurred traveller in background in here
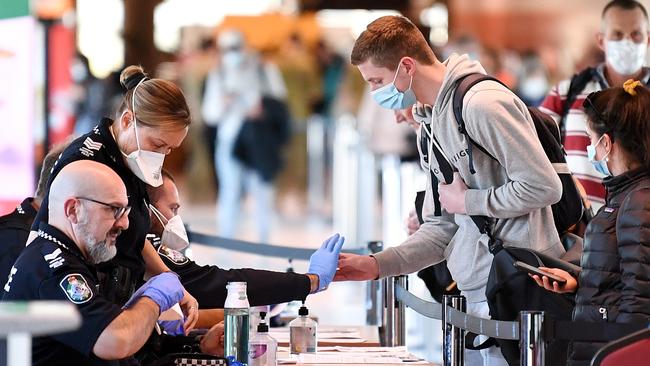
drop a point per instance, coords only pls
(533, 79)
(232, 94)
(624, 39)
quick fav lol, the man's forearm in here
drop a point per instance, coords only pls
(128, 332)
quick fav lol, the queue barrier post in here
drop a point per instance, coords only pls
(531, 338)
(453, 342)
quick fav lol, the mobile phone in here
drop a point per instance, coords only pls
(536, 271)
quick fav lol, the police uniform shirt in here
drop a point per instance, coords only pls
(100, 146)
(14, 230)
(53, 268)
(208, 283)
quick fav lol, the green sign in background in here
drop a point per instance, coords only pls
(13, 8)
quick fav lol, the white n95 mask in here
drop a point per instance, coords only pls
(146, 165)
(174, 235)
(625, 56)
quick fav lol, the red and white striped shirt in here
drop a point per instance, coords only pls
(576, 139)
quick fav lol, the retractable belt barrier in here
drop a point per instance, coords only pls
(491, 328)
(262, 249)
(534, 330)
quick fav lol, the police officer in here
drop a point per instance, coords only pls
(208, 283)
(14, 226)
(152, 120)
(88, 209)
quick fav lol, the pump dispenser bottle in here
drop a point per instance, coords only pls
(263, 347)
(302, 332)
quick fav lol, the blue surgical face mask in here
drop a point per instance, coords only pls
(389, 97)
(599, 165)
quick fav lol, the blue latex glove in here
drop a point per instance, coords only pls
(172, 327)
(324, 261)
(164, 289)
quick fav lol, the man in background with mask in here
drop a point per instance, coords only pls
(624, 39)
(208, 283)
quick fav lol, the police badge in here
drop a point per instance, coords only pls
(173, 255)
(76, 288)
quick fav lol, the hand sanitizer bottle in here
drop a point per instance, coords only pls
(302, 332)
(263, 347)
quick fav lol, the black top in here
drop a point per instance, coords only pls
(14, 230)
(121, 275)
(53, 268)
(208, 283)
(613, 283)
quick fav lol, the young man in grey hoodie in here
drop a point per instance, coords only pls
(516, 189)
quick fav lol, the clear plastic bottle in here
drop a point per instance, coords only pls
(302, 333)
(262, 349)
(236, 322)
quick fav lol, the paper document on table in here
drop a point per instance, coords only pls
(356, 355)
(283, 337)
(341, 358)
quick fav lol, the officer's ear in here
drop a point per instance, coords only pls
(125, 119)
(71, 209)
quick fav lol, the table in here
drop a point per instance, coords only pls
(19, 321)
(370, 335)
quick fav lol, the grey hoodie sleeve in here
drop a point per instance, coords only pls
(422, 249)
(500, 122)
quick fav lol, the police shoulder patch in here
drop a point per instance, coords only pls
(76, 288)
(173, 255)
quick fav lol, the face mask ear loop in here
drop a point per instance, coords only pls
(135, 121)
(598, 143)
(399, 65)
(158, 214)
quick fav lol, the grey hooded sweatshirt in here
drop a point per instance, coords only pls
(517, 188)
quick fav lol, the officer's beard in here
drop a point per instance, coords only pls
(98, 251)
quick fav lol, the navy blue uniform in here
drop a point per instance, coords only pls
(53, 268)
(208, 283)
(122, 275)
(14, 230)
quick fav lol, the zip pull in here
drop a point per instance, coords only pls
(603, 311)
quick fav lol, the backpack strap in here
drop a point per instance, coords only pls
(576, 86)
(463, 85)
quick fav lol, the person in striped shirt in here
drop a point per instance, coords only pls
(624, 40)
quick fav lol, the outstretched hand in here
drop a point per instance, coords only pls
(354, 267)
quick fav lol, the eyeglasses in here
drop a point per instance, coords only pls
(118, 211)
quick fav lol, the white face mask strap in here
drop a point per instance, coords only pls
(158, 214)
(399, 65)
(135, 121)
(397, 72)
(598, 143)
